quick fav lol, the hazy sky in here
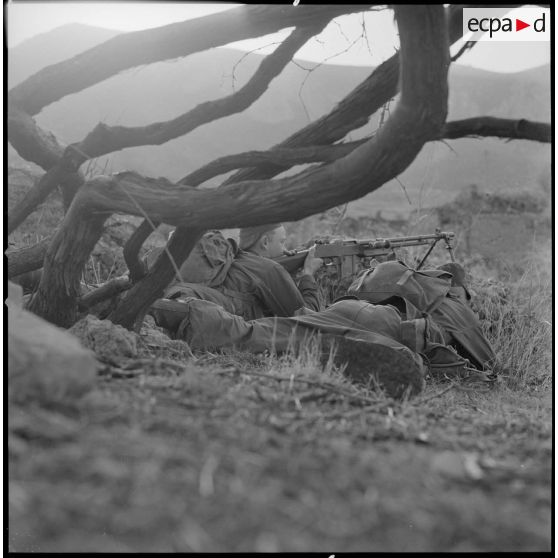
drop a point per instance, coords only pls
(26, 19)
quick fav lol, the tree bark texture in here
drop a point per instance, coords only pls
(27, 259)
(54, 177)
(104, 139)
(140, 297)
(108, 290)
(55, 299)
(32, 142)
(418, 117)
(279, 156)
(354, 110)
(487, 126)
(133, 246)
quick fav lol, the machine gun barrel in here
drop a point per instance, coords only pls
(376, 247)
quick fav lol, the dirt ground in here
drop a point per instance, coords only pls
(217, 456)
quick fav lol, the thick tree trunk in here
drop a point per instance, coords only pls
(55, 299)
(418, 117)
(32, 142)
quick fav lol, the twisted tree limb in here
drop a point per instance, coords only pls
(31, 258)
(32, 142)
(132, 309)
(133, 246)
(481, 126)
(163, 43)
(281, 156)
(105, 139)
(354, 110)
(418, 117)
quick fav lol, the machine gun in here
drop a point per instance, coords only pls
(350, 256)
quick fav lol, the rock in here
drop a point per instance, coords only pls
(45, 363)
(110, 342)
(15, 295)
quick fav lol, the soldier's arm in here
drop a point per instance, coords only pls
(279, 293)
(309, 291)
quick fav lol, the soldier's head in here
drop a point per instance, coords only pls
(265, 240)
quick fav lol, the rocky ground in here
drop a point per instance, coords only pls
(238, 453)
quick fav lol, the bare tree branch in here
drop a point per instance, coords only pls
(55, 176)
(486, 126)
(281, 156)
(104, 139)
(108, 290)
(28, 258)
(32, 142)
(31, 258)
(482, 126)
(142, 294)
(133, 246)
(418, 117)
(107, 139)
(354, 110)
(163, 43)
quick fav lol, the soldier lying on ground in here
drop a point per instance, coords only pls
(396, 325)
(255, 286)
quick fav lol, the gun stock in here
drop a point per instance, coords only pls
(294, 262)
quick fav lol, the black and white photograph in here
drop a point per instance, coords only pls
(278, 277)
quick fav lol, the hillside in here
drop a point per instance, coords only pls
(51, 47)
(164, 90)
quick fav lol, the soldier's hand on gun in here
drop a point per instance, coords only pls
(311, 263)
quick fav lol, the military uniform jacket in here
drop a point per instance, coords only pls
(260, 287)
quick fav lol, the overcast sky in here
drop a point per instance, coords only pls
(341, 42)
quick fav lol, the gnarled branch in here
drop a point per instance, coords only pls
(418, 117)
(143, 294)
(282, 156)
(163, 43)
(107, 139)
(133, 246)
(354, 110)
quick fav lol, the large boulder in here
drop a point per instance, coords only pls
(45, 363)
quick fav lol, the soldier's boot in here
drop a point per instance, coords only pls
(169, 314)
(399, 372)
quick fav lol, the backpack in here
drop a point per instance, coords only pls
(208, 262)
(428, 292)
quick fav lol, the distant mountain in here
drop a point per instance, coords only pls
(164, 90)
(51, 47)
